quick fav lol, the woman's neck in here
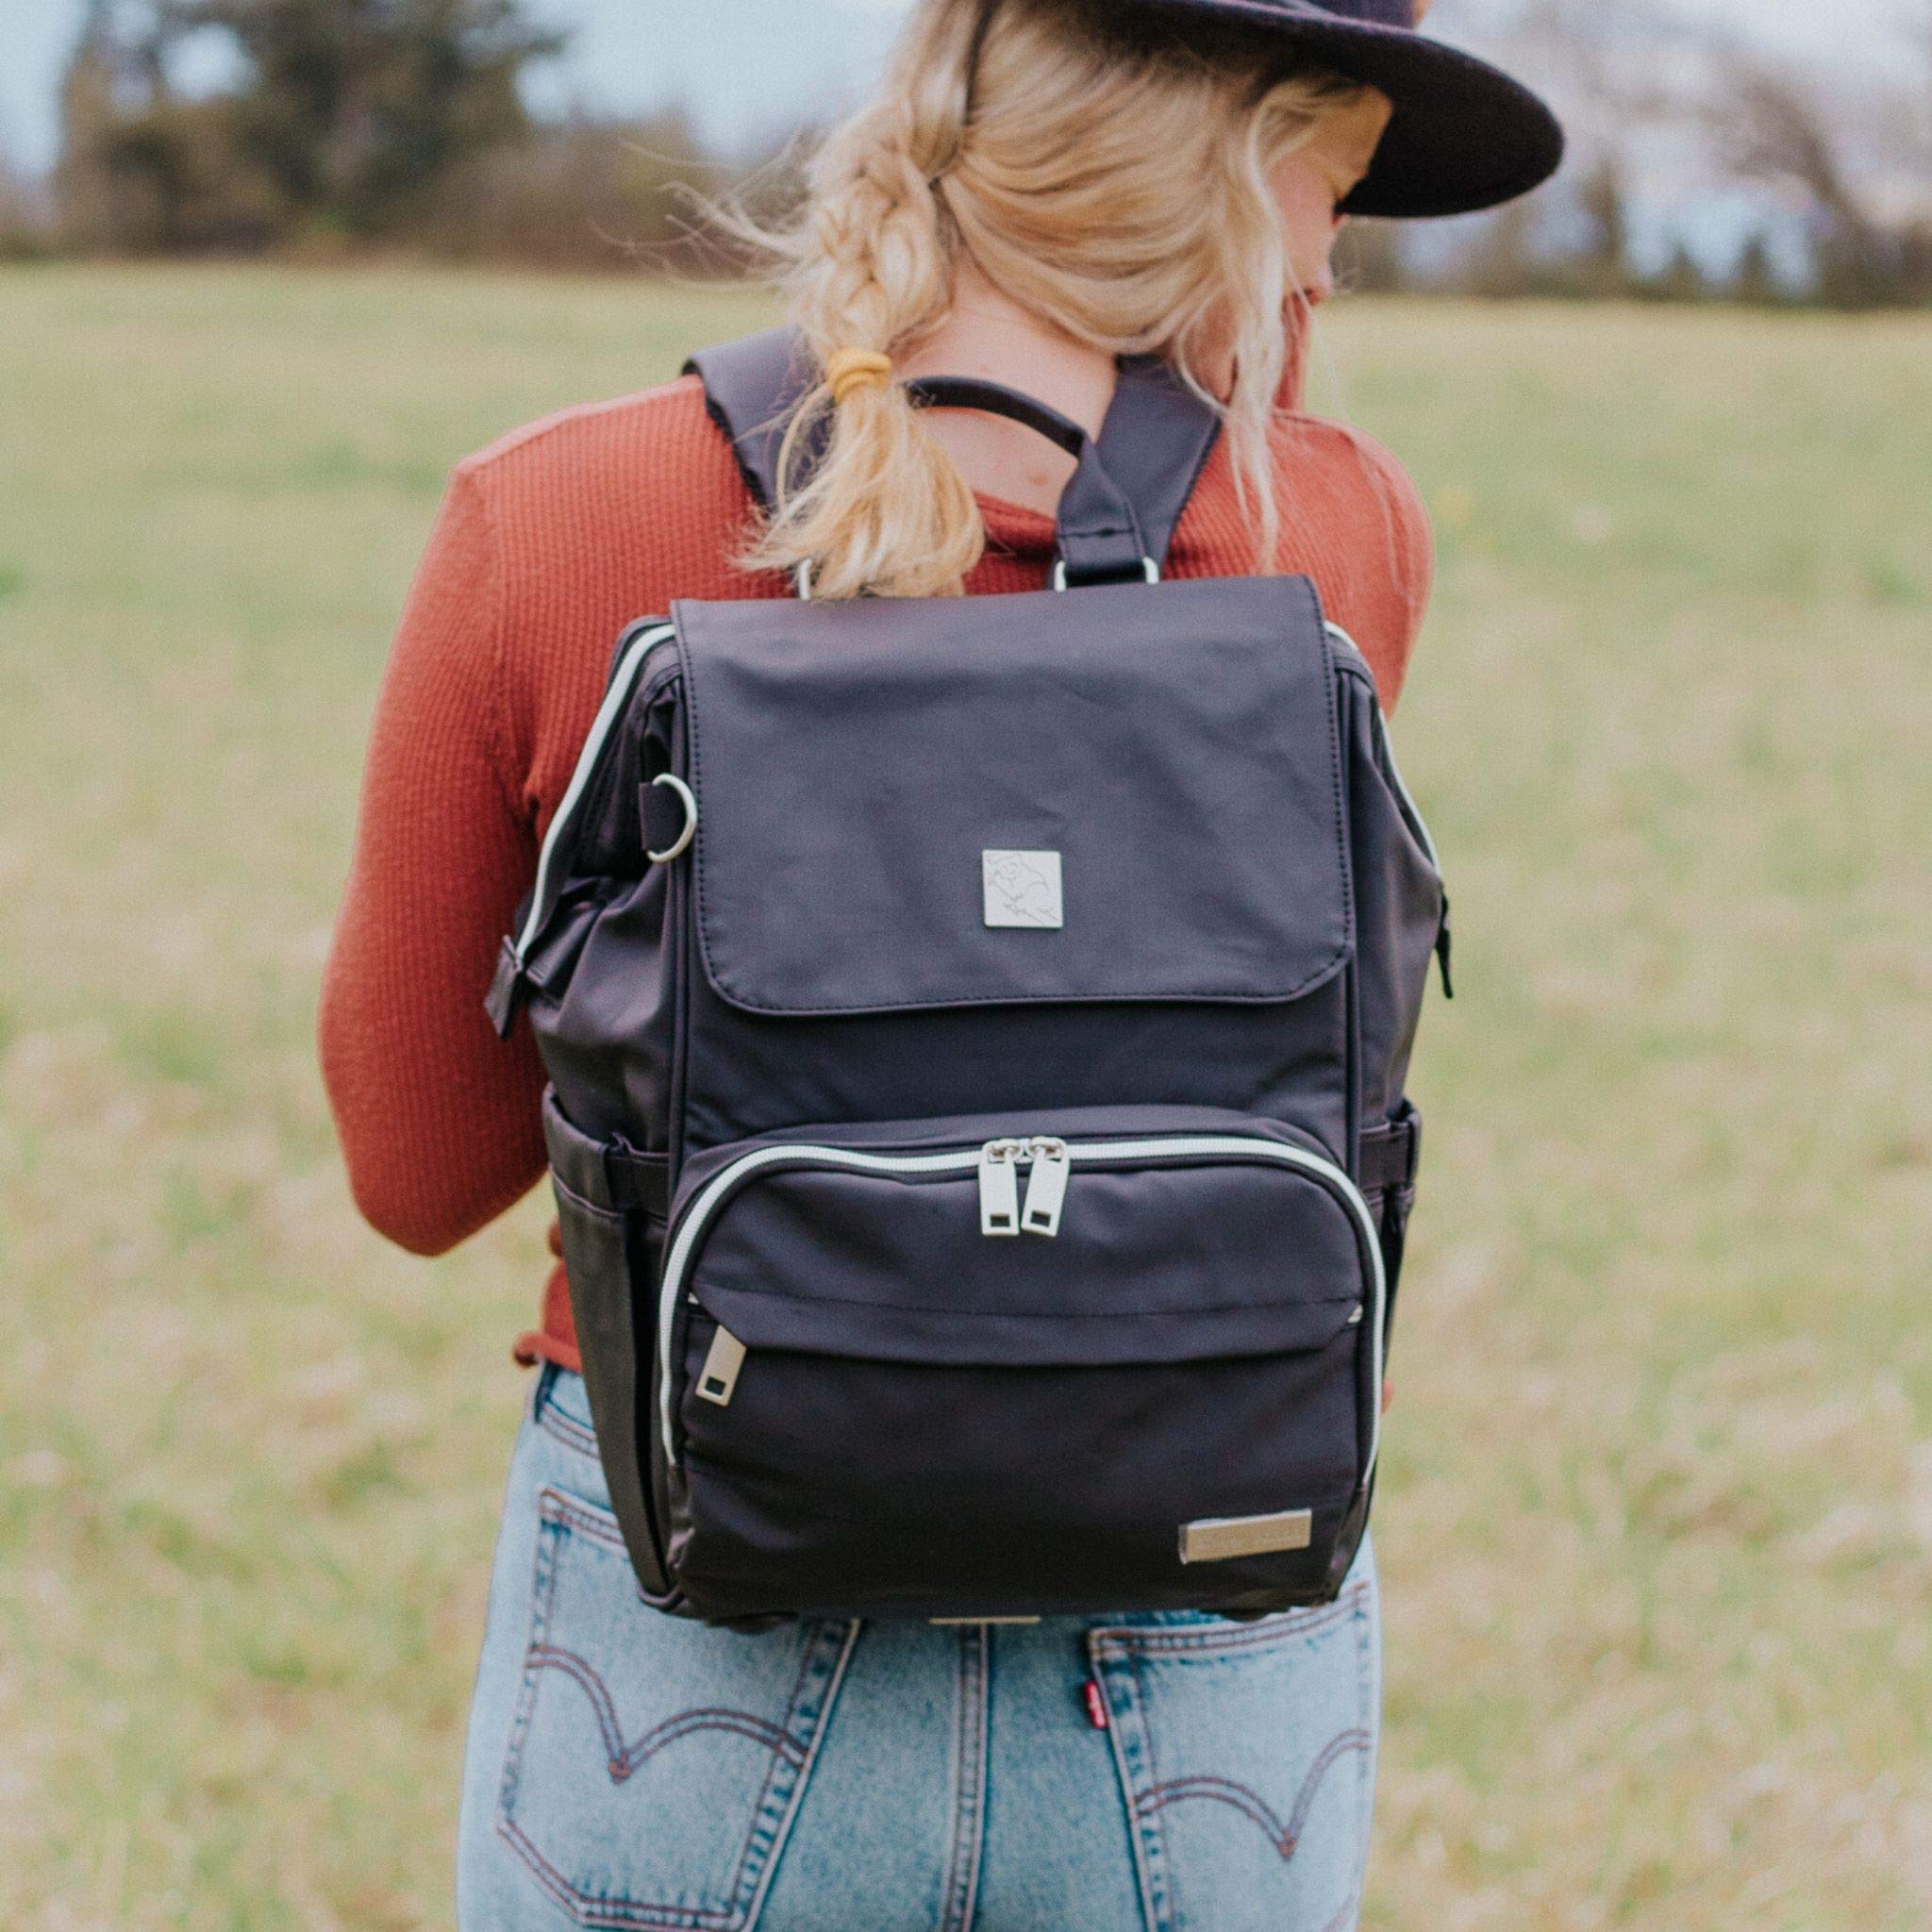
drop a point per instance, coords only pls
(987, 334)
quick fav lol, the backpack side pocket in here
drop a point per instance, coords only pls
(611, 1207)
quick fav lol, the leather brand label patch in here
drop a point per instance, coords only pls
(1022, 889)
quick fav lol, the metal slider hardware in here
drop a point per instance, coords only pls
(1149, 570)
(1047, 1187)
(999, 1187)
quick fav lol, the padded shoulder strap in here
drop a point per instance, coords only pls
(1157, 439)
(751, 388)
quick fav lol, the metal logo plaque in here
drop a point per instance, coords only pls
(1022, 889)
(1216, 1539)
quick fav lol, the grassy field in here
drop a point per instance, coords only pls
(1657, 1513)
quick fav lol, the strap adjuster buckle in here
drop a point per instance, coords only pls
(1149, 570)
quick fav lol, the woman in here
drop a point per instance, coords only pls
(1039, 187)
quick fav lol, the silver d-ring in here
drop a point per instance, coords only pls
(691, 819)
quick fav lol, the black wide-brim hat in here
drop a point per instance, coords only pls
(1464, 134)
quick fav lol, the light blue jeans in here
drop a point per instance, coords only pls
(1167, 1773)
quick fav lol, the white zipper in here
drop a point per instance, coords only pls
(615, 699)
(1416, 819)
(966, 1159)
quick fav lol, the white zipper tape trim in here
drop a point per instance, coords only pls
(964, 1159)
(1335, 630)
(615, 699)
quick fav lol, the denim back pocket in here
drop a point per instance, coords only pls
(1246, 1755)
(654, 1765)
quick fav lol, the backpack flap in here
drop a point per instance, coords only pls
(1130, 792)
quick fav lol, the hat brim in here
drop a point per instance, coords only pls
(1464, 134)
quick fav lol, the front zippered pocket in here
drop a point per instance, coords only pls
(991, 1154)
(1065, 1364)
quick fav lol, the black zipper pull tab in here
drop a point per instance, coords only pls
(1443, 951)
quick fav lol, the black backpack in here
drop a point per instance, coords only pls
(976, 1031)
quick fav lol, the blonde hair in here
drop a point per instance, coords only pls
(1119, 189)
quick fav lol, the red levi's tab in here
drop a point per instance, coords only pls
(1096, 1704)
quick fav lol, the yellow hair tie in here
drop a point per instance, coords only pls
(852, 369)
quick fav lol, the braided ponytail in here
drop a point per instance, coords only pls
(887, 511)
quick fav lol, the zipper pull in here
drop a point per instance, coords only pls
(1442, 950)
(718, 1378)
(999, 1188)
(1047, 1187)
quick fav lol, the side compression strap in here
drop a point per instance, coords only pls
(1390, 1154)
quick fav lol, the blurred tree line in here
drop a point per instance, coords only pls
(1780, 179)
(401, 124)
(357, 125)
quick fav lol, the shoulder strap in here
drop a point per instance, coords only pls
(751, 387)
(1156, 441)
(1122, 506)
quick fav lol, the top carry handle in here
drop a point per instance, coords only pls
(1118, 514)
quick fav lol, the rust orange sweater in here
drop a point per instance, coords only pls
(548, 544)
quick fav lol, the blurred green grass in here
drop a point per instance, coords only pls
(1657, 1514)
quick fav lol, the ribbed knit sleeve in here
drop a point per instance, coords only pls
(439, 1119)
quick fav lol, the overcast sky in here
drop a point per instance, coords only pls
(752, 66)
